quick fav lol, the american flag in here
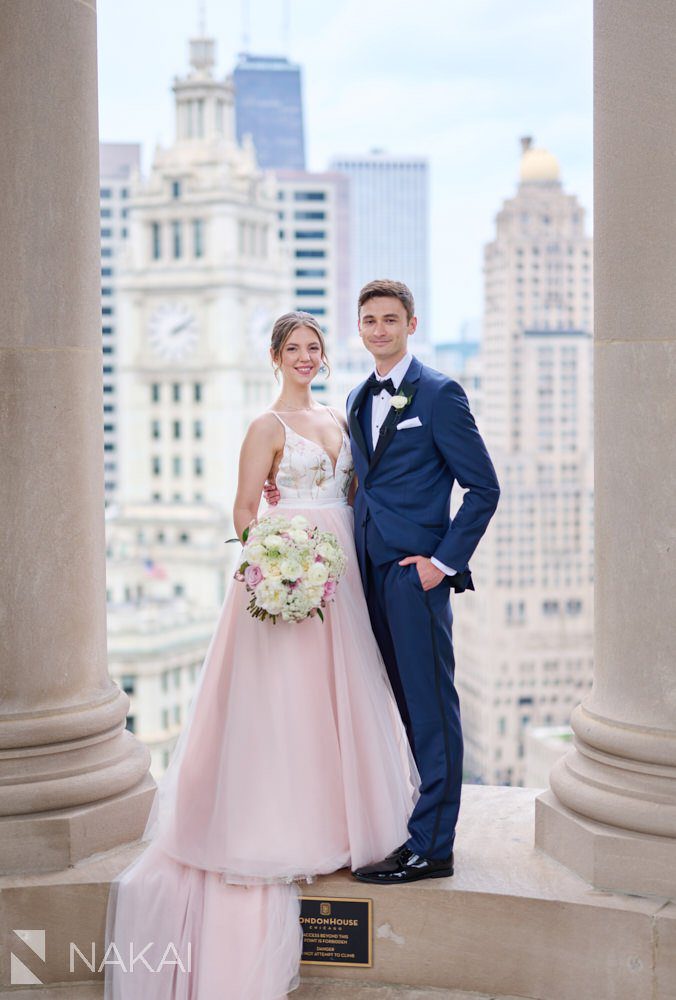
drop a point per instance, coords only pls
(154, 571)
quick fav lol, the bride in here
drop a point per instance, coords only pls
(293, 761)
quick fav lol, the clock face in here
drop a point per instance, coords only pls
(173, 331)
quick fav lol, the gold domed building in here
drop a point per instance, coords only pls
(538, 165)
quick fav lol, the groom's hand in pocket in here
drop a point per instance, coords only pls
(270, 492)
(430, 575)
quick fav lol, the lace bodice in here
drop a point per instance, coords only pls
(306, 469)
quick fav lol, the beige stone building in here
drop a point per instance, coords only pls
(568, 894)
(155, 653)
(167, 569)
(524, 638)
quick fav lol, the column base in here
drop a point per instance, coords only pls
(607, 857)
(57, 839)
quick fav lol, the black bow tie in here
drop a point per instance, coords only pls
(377, 385)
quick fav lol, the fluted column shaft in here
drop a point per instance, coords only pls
(62, 740)
(622, 771)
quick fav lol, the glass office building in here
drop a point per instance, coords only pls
(269, 107)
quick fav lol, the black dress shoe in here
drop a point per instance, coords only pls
(404, 866)
(396, 852)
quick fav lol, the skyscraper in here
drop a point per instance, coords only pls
(389, 225)
(118, 164)
(269, 108)
(313, 210)
(524, 638)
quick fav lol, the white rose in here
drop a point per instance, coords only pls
(314, 596)
(290, 569)
(299, 521)
(254, 552)
(273, 542)
(271, 595)
(317, 573)
(299, 536)
(398, 402)
(270, 567)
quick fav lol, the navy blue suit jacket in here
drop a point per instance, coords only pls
(404, 486)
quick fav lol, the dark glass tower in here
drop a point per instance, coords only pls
(269, 106)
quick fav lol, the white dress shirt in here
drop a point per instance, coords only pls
(379, 410)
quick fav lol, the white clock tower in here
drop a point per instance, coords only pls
(202, 281)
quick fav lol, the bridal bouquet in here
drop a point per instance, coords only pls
(290, 568)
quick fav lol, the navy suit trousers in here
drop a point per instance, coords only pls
(413, 628)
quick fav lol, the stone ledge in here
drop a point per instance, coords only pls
(67, 991)
(324, 989)
(335, 989)
(510, 922)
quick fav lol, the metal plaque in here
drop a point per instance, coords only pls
(337, 931)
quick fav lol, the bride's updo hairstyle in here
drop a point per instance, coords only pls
(283, 329)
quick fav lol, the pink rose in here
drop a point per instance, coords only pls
(329, 589)
(253, 575)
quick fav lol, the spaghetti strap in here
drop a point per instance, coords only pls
(340, 426)
(282, 422)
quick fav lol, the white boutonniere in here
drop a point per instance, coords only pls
(399, 402)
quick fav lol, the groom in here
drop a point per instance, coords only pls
(413, 436)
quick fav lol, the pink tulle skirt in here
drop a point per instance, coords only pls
(293, 762)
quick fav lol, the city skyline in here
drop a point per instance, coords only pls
(459, 89)
(184, 216)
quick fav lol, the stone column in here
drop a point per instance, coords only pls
(611, 811)
(73, 781)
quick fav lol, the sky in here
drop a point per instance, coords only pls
(456, 81)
